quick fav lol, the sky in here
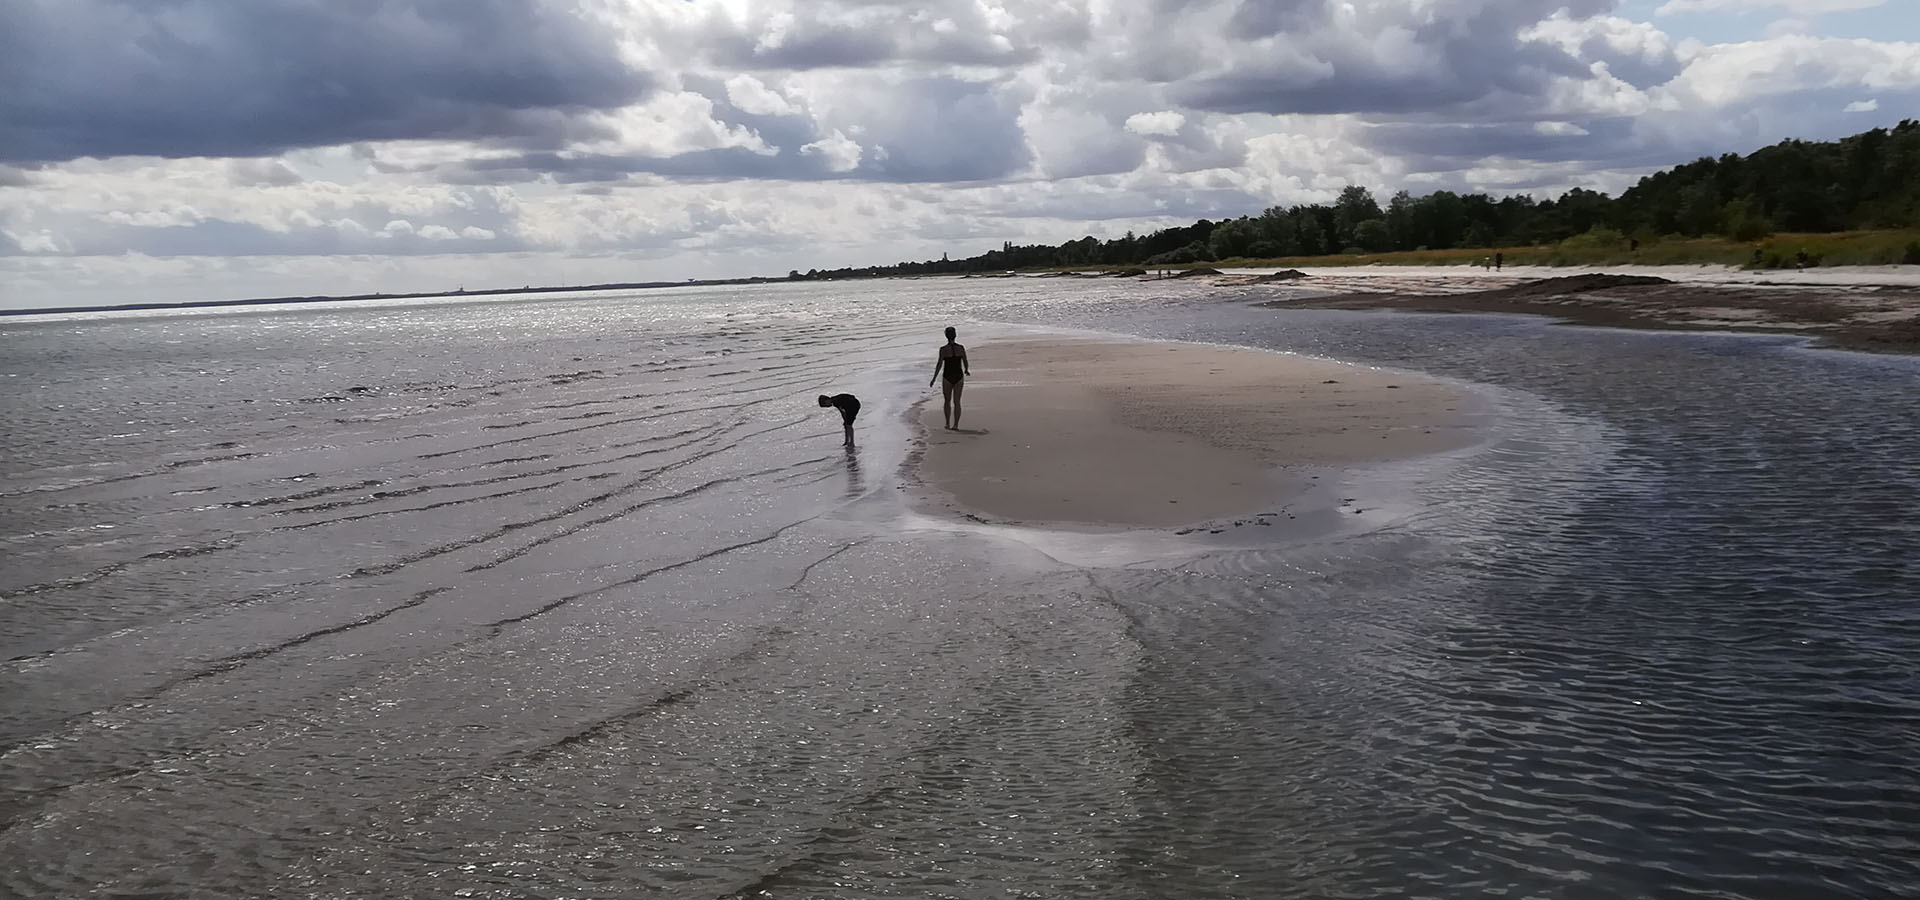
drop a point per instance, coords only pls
(174, 150)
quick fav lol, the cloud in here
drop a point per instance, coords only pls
(261, 173)
(771, 133)
(840, 153)
(199, 207)
(1727, 74)
(1331, 57)
(1635, 53)
(824, 35)
(1560, 129)
(752, 96)
(926, 129)
(1796, 7)
(1165, 123)
(200, 78)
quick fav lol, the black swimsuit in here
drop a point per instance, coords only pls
(951, 371)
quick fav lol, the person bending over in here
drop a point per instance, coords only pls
(952, 362)
(849, 406)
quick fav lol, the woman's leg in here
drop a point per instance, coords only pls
(946, 402)
(957, 387)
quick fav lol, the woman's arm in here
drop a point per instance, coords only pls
(937, 361)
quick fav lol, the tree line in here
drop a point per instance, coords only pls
(1870, 180)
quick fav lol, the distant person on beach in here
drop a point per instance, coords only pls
(849, 406)
(1499, 259)
(952, 362)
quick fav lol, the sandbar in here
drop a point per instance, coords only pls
(1874, 311)
(1144, 433)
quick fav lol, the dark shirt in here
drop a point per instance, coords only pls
(847, 404)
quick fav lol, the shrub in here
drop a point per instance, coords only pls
(1750, 228)
(1599, 237)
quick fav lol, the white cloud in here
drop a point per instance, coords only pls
(752, 96)
(1787, 26)
(1164, 123)
(669, 124)
(36, 242)
(1560, 129)
(841, 153)
(1860, 106)
(1728, 73)
(1796, 7)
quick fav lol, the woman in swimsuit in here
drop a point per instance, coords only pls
(953, 363)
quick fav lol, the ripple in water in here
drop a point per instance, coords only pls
(579, 598)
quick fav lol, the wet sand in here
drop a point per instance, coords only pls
(1875, 312)
(1165, 434)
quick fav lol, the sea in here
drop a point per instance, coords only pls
(570, 596)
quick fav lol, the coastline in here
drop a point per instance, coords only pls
(416, 295)
(1151, 434)
(1874, 311)
(1865, 308)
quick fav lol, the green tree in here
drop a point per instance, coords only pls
(1373, 236)
(1279, 230)
(1449, 220)
(1400, 224)
(1355, 205)
(1699, 211)
(1233, 238)
(1479, 234)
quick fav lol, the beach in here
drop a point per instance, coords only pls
(1168, 434)
(582, 597)
(1868, 308)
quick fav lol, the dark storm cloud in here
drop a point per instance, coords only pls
(719, 164)
(256, 77)
(824, 47)
(943, 129)
(1474, 46)
(924, 130)
(1263, 18)
(1361, 83)
(1122, 153)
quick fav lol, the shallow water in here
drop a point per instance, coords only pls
(580, 597)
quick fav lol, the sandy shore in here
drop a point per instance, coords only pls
(1166, 434)
(1874, 309)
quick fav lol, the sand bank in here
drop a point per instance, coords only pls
(1865, 309)
(1164, 434)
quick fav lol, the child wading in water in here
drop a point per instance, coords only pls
(848, 405)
